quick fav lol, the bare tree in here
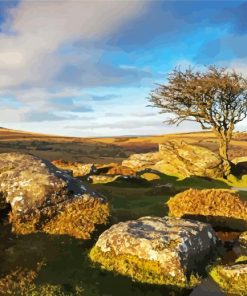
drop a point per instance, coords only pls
(215, 98)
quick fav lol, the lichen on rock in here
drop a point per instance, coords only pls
(162, 251)
(44, 198)
(180, 159)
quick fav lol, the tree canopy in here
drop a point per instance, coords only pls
(215, 98)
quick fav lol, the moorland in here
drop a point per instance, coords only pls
(53, 258)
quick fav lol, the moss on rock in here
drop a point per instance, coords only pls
(221, 207)
(141, 270)
(77, 218)
(231, 279)
(154, 250)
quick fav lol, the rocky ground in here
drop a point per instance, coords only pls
(177, 249)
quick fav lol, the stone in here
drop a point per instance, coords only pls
(220, 207)
(44, 198)
(150, 176)
(104, 168)
(180, 159)
(78, 169)
(207, 288)
(141, 161)
(185, 160)
(243, 239)
(232, 279)
(121, 170)
(163, 251)
(103, 179)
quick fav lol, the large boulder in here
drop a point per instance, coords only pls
(163, 251)
(220, 207)
(78, 169)
(180, 159)
(44, 198)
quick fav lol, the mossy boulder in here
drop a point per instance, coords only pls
(185, 160)
(179, 159)
(44, 198)
(232, 279)
(220, 207)
(162, 251)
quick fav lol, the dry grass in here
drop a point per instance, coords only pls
(106, 150)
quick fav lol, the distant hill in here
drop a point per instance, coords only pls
(108, 149)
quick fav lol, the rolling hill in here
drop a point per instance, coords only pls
(108, 149)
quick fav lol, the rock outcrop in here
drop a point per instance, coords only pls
(121, 170)
(43, 198)
(163, 251)
(142, 161)
(78, 169)
(220, 207)
(232, 279)
(179, 159)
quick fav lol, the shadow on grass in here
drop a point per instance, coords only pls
(67, 266)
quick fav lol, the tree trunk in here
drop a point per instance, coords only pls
(223, 152)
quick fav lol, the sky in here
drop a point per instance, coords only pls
(86, 68)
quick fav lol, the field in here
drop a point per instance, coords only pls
(105, 150)
(65, 260)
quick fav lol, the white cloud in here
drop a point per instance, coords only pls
(39, 28)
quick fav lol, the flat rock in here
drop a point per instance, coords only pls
(207, 288)
(156, 250)
(44, 198)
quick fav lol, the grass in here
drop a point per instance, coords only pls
(67, 264)
(131, 199)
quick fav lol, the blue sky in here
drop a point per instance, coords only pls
(85, 68)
